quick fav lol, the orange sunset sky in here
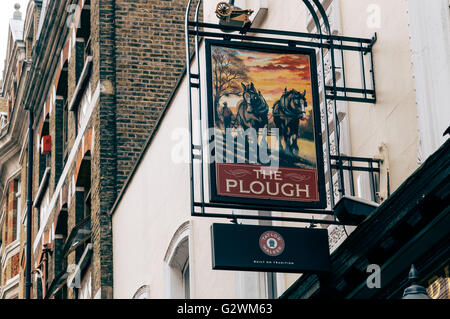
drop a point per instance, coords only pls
(273, 72)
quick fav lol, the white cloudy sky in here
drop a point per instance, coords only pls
(6, 13)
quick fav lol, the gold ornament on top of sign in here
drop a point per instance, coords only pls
(225, 11)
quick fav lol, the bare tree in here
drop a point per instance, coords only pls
(228, 73)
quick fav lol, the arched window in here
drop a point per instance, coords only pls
(82, 231)
(178, 274)
(142, 293)
(59, 260)
(83, 200)
(81, 99)
(83, 44)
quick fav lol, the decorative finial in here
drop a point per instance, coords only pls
(414, 291)
(17, 14)
(413, 274)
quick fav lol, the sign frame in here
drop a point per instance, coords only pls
(215, 197)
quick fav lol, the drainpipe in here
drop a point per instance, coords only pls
(28, 283)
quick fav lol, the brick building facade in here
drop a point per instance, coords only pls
(95, 74)
(12, 133)
(103, 82)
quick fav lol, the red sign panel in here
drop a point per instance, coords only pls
(265, 182)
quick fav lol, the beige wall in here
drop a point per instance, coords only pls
(393, 119)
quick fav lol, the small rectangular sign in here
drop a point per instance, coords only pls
(269, 248)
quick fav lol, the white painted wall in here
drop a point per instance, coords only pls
(429, 24)
(393, 119)
(155, 205)
(156, 202)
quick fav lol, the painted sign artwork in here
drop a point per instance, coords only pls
(263, 108)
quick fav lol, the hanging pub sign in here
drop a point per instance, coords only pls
(264, 121)
(269, 248)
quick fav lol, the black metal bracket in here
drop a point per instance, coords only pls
(357, 164)
(327, 46)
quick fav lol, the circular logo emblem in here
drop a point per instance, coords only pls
(271, 243)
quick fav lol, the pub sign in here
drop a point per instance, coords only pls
(264, 119)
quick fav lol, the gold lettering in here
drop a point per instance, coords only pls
(300, 190)
(252, 184)
(447, 280)
(277, 189)
(241, 187)
(277, 176)
(434, 287)
(257, 171)
(291, 193)
(230, 183)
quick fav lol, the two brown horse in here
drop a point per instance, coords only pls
(252, 112)
(287, 113)
(253, 109)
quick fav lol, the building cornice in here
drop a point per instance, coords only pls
(11, 142)
(11, 65)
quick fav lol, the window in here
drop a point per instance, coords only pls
(81, 100)
(2, 229)
(87, 203)
(62, 118)
(59, 260)
(85, 291)
(44, 159)
(83, 107)
(3, 119)
(9, 213)
(65, 133)
(80, 238)
(37, 286)
(186, 282)
(83, 45)
(29, 45)
(17, 213)
(43, 208)
(178, 274)
(84, 190)
(367, 187)
(5, 225)
(142, 293)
